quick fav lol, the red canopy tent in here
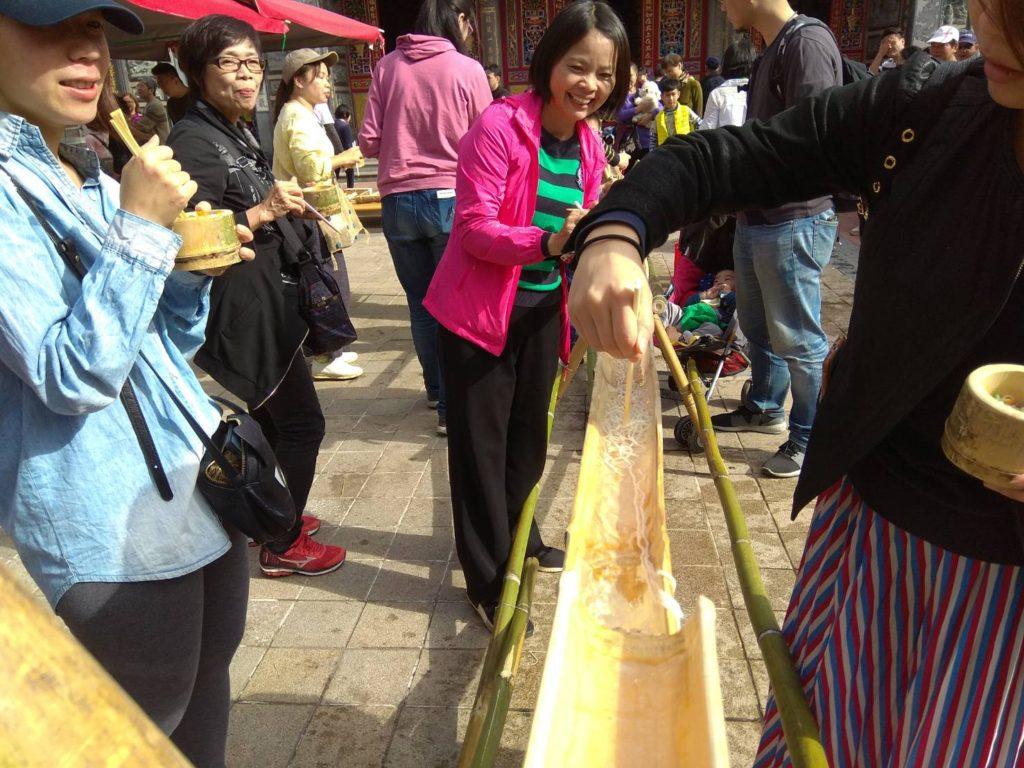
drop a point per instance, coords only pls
(310, 26)
(281, 23)
(165, 19)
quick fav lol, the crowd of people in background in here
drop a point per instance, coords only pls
(509, 230)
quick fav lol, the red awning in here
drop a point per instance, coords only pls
(316, 27)
(165, 20)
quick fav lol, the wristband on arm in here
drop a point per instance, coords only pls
(611, 236)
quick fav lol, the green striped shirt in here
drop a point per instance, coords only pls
(559, 188)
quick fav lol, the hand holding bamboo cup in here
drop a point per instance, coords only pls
(210, 241)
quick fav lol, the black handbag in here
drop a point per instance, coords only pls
(320, 302)
(238, 474)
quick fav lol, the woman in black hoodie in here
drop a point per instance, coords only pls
(255, 333)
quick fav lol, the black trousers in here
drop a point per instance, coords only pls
(169, 644)
(293, 423)
(497, 439)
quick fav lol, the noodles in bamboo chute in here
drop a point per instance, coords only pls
(626, 682)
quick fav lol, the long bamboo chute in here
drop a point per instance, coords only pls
(803, 740)
(625, 683)
(58, 707)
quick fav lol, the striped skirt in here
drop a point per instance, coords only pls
(910, 655)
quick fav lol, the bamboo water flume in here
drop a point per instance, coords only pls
(798, 724)
(497, 676)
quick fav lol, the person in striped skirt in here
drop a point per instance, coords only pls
(906, 622)
(527, 168)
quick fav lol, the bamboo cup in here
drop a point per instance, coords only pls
(984, 436)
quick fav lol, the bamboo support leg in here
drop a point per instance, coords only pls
(59, 707)
(798, 724)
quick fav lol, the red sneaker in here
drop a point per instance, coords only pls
(310, 527)
(306, 557)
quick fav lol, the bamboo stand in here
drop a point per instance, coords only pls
(798, 724)
(59, 707)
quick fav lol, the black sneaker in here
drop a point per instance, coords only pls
(486, 613)
(442, 425)
(745, 420)
(786, 462)
(551, 559)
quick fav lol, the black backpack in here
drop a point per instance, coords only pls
(853, 71)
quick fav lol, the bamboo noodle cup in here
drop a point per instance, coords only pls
(325, 197)
(209, 240)
(983, 436)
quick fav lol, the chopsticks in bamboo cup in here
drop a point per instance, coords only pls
(120, 125)
(631, 369)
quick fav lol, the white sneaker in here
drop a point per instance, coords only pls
(335, 370)
(349, 357)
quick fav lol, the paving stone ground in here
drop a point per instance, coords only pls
(376, 664)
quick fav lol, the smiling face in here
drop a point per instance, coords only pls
(943, 51)
(581, 82)
(52, 76)
(1003, 67)
(233, 94)
(314, 86)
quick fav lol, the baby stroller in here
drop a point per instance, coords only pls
(707, 247)
(715, 359)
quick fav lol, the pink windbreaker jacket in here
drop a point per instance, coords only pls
(474, 286)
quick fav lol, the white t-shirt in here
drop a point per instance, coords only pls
(727, 105)
(323, 114)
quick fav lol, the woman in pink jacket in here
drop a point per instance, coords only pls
(527, 169)
(423, 97)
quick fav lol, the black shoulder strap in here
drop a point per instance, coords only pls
(69, 252)
(776, 73)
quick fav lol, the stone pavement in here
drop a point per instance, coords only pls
(377, 663)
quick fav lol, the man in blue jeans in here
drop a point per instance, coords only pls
(779, 253)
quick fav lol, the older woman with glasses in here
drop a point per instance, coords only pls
(255, 333)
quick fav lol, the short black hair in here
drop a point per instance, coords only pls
(203, 40)
(164, 68)
(440, 18)
(342, 113)
(738, 59)
(570, 26)
(669, 84)
(493, 69)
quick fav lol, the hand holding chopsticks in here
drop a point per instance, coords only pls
(153, 186)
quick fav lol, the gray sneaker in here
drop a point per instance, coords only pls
(786, 462)
(743, 419)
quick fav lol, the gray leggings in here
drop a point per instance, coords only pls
(169, 643)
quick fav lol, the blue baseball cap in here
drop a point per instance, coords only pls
(45, 13)
(967, 36)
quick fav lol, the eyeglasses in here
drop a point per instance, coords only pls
(231, 64)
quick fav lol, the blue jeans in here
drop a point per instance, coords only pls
(778, 297)
(417, 225)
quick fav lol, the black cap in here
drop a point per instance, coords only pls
(44, 13)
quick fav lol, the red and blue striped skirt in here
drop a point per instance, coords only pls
(910, 655)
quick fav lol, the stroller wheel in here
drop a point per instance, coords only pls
(745, 391)
(686, 435)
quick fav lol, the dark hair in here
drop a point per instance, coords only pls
(493, 69)
(204, 39)
(669, 84)
(570, 26)
(671, 60)
(286, 89)
(642, 70)
(164, 68)
(1011, 19)
(738, 59)
(107, 103)
(124, 104)
(342, 113)
(440, 18)
(893, 31)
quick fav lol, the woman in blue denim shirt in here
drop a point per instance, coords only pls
(155, 590)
